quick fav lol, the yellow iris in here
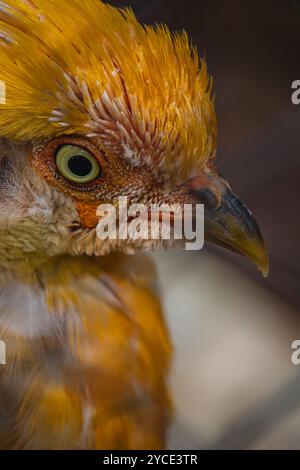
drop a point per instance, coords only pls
(77, 164)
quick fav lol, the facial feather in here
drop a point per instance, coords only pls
(34, 217)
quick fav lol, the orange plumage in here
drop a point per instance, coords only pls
(100, 382)
(97, 107)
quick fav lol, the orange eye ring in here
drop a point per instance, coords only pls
(51, 160)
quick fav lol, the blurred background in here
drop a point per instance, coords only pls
(233, 382)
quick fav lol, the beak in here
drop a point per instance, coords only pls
(228, 222)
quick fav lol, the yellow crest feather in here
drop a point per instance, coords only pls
(84, 67)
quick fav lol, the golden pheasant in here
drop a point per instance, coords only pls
(97, 107)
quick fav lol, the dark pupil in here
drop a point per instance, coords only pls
(80, 166)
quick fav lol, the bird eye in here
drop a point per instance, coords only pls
(77, 165)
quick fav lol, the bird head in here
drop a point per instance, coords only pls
(98, 107)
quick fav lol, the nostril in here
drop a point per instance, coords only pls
(206, 196)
